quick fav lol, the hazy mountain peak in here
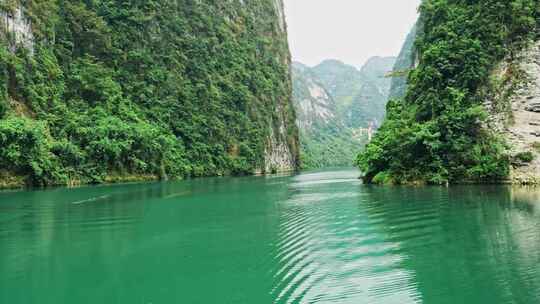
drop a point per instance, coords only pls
(379, 65)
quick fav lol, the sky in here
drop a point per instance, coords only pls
(348, 30)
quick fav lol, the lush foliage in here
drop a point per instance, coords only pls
(155, 88)
(435, 133)
(329, 145)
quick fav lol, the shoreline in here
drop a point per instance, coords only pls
(17, 182)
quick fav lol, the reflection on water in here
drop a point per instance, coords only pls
(318, 237)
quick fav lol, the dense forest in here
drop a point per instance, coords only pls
(436, 133)
(101, 90)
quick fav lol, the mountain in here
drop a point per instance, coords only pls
(338, 107)
(96, 91)
(469, 110)
(361, 95)
(325, 141)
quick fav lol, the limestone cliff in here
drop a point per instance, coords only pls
(282, 150)
(313, 103)
(360, 94)
(16, 28)
(324, 138)
(514, 107)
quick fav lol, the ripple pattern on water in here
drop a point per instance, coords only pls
(345, 243)
(329, 250)
(316, 237)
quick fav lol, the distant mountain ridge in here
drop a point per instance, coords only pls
(338, 107)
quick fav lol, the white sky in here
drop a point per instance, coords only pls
(349, 30)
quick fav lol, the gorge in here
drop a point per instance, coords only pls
(171, 151)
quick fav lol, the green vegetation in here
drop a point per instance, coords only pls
(165, 89)
(328, 146)
(435, 134)
(525, 157)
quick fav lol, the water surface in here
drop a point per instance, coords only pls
(317, 237)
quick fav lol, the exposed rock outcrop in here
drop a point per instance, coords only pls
(360, 95)
(18, 28)
(282, 149)
(279, 154)
(515, 112)
(313, 102)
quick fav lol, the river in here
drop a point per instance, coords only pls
(315, 237)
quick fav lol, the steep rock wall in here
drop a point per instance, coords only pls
(16, 29)
(282, 150)
(313, 102)
(514, 108)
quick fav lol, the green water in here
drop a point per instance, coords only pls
(312, 238)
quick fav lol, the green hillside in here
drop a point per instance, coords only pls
(436, 133)
(112, 90)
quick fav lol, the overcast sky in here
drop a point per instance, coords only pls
(348, 30)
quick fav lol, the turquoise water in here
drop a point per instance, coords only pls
(316, 237)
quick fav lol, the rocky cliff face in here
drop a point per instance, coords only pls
(514, 107)
(325, 140)
(16, 29)
(282, 151)
(111, 90)
(313, 103)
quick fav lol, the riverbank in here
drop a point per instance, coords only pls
(515, 179)
(11, 181)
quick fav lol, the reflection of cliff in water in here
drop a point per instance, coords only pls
(477, 244)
